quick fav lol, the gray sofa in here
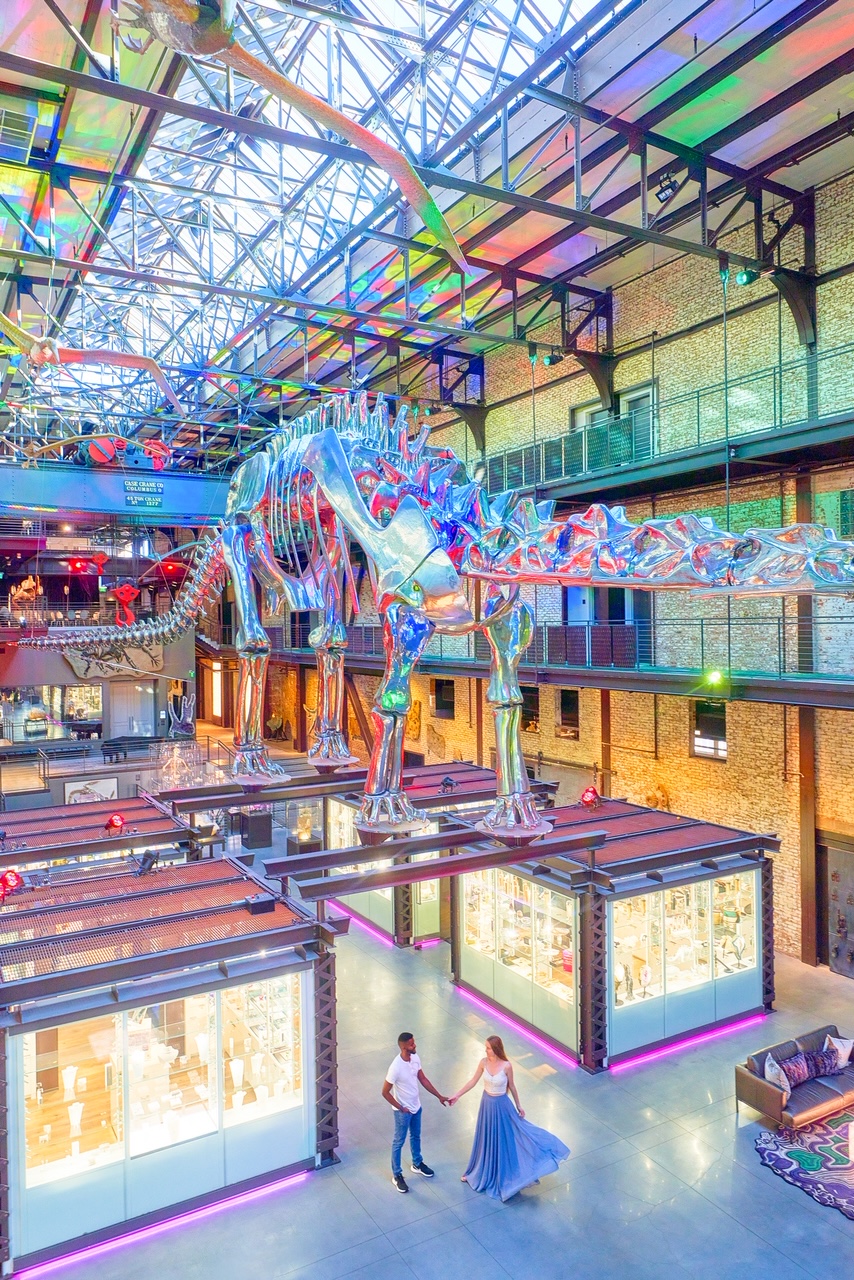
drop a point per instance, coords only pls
(810, 1101)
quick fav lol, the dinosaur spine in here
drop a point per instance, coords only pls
(103, 642)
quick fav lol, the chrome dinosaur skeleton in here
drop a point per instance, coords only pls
(342, 475)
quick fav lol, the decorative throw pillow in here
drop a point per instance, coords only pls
(795, 1070)
(776, 1075)
(823, 1063)
(842, 1047)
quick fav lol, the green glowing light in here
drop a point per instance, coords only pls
(746, 276)
(714, 677)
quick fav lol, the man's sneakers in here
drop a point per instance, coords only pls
(398, 1179)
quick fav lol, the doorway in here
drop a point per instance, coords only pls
(835, 902)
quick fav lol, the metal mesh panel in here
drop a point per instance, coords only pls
(38, 959)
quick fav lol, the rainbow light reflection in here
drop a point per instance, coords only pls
(158, 1228)
(518, 1027)
(678, 1045)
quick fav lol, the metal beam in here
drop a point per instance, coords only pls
(454, 864)
(579, 217)
(240, 125)
(298, 302)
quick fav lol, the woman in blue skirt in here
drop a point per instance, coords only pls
(508, 1152)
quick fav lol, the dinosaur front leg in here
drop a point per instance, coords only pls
(514, 815)
(253, 654)
(385, 807)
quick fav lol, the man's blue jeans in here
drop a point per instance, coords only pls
(405, 1122)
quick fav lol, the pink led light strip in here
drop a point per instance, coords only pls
(158, 1228)
(360, 924)
(518, 1027)
(687, 1042)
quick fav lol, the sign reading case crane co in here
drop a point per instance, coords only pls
(144, 493)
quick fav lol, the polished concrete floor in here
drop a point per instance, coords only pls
(663, 1179)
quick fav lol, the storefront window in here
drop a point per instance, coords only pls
(554, 943)
(261, 1048)
(513, 903)
(72, 1098)
(688, 932)
(479, 912)
(171, 1080)
(637, 973)
(735, 923)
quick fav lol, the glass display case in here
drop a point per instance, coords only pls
(554, 943)
(128, 1085)
(682, 957)
(735, 923)
(687, 935)
(303, 822)
(479, 912)
(73, 1100)
(172, 1088)
(376, 905)
(515, 940)
(261, 1049)
(636, 948)
(518, 946)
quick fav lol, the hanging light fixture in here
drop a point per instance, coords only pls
(553, 358)
(667, 188)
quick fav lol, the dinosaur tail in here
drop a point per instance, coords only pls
(106, 642)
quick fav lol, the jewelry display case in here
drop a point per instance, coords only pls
(262, 1049)
(682, 957)
(518, 945)
(116, 1115)
(303, 822)
(72, 1098)
(172, 1089)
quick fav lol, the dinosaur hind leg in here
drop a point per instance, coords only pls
(330, 751)
(253, 654)
(514, 815)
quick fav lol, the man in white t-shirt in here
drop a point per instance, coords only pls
(401, 1091)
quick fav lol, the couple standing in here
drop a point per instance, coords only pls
(508, 1152)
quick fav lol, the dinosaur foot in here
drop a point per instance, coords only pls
(330, 752)
(389, 813)
(252, 763)
(514, 819)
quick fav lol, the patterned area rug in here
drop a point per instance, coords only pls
(816, 1159)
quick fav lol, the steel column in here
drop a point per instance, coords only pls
(593, 980)
(326, 1056)
(767, 877)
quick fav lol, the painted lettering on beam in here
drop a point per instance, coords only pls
(144, 493)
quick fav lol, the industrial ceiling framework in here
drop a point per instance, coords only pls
(167, 207)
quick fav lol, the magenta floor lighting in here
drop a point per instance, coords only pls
(679, 1045)
(366, 928)
(158, 1228)
(518, 1027)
